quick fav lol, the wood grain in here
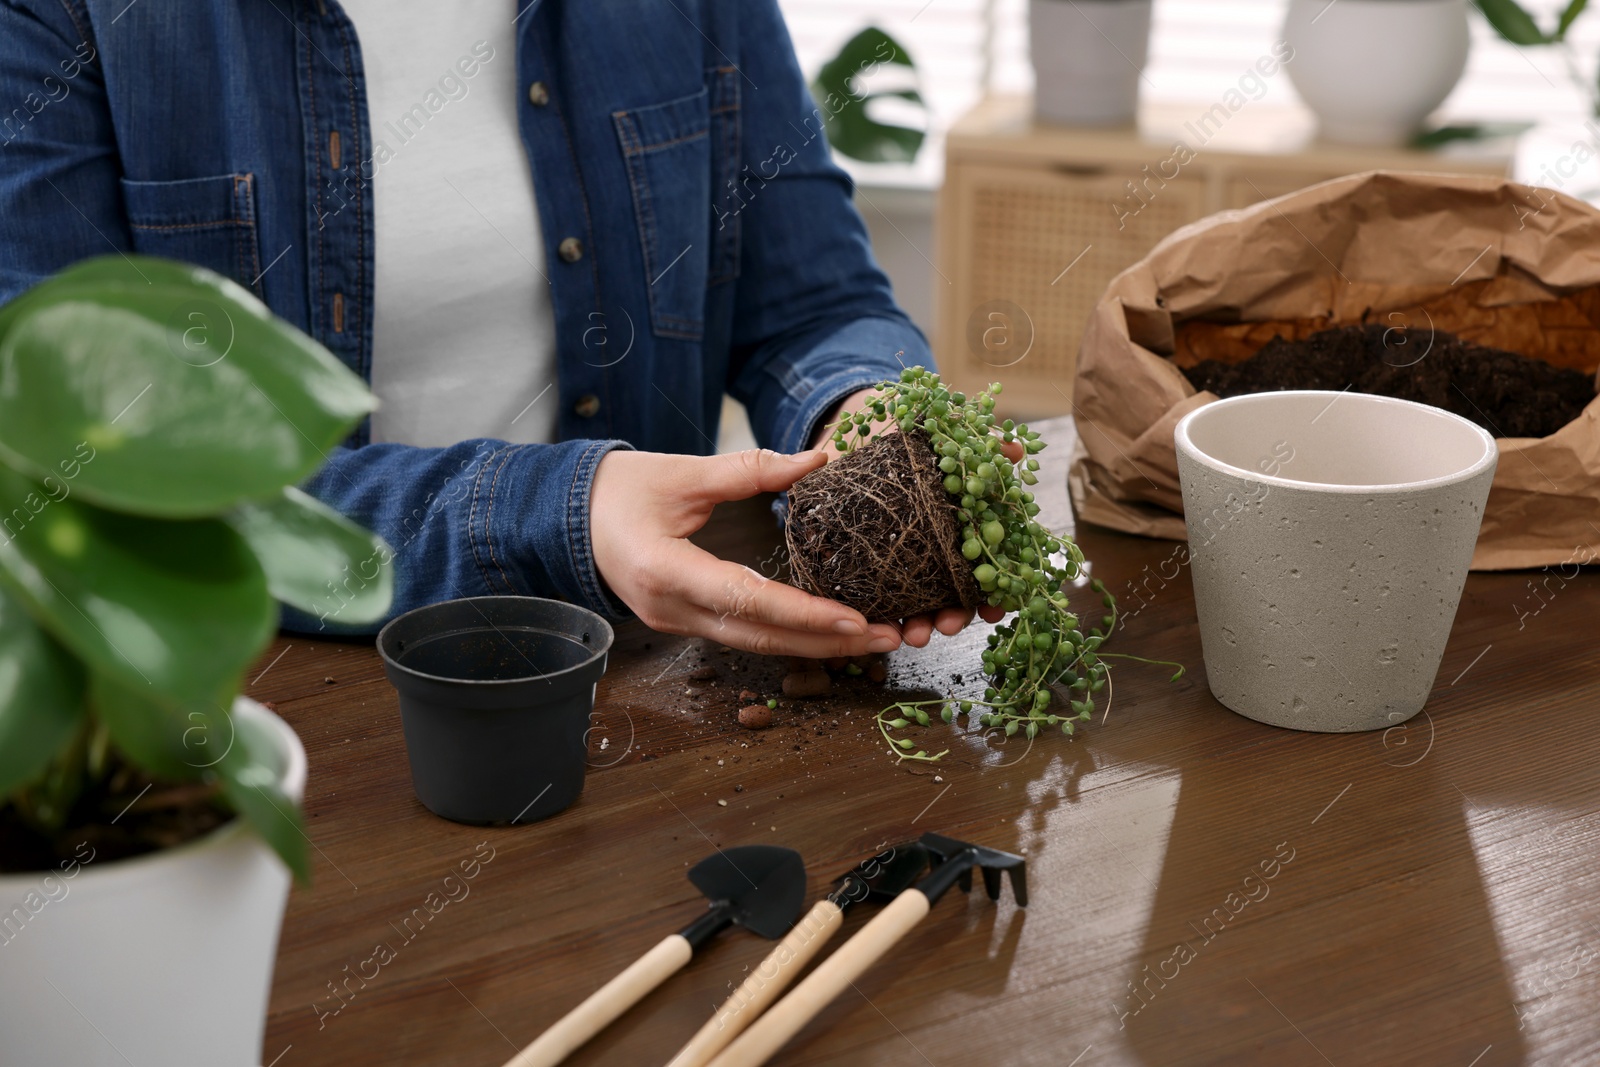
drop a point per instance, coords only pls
(1432, 895)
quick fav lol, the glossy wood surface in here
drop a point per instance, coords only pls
(1205, 889)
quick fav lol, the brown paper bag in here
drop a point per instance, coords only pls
(1488, 259)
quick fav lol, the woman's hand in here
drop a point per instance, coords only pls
(918, 630)
(644, 506)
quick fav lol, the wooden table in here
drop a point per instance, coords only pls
(1432, 896)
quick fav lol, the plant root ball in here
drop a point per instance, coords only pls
(755, 717)
(876, 531)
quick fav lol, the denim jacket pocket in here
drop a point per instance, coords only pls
(210, 222)
(667, 150)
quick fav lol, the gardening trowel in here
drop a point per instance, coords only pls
(881, 878)
(759, 887)
(836, 973)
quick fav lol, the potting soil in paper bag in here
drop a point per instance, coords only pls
(1487, 259)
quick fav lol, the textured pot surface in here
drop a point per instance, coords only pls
(1329, 539)
(1087, 58)
(161, 959)
(1373, 70)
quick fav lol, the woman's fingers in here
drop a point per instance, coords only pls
(990, 613)
(948, 621)
(727, 589)
(768, 640)
(1013, 450)
(740, 475)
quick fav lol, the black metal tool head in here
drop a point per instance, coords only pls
(883, 877)
(759, 887)
(955, 860)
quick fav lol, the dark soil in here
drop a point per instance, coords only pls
(117, 818)
(875, 530)
(1507, 394)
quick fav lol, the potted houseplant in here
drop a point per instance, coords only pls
(1088, 57)
(154, 418)
(1373, 70)
(937, 515)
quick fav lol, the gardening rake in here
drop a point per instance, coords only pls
(835, 974)
(882, 878)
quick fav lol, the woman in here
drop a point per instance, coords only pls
(548, 234)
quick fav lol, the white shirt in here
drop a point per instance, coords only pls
(463, 332)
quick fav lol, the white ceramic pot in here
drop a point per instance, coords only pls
(1329, 539)
(1088, 56)
(165, 959)
(1373, 70)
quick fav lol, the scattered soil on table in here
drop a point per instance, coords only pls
(117, 818)
(1505, 393)
(875, 530)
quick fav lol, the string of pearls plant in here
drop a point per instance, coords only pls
(1021, 566)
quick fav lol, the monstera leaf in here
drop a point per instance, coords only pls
(846, 104)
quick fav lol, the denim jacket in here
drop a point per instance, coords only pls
(698, 237)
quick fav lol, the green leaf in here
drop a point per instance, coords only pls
(1470, 131)
(250, 784)
(1512, 22)
(165, 390)
(41, 696)
(317, 560)
(155, 733)
(1569, 15)
(844, 104)
(179, 607)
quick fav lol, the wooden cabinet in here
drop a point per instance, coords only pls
(1033, 221)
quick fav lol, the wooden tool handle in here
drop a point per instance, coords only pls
(605, 1004)
(763, 986)
(832, 977)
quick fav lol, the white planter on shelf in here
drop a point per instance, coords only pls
(1373, 70)
(161, 959)
(1088, 56)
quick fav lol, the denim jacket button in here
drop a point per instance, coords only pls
(538, 95)
(571, 249)
(588, 406)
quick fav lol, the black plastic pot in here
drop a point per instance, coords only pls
(495, 698)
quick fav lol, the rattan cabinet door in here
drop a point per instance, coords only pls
(1025, 253)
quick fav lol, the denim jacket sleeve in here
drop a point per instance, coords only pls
(477, 517)
(814, 317)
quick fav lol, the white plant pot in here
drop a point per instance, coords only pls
(1373, 70)
(1329, 539)
(1088, 56)
(164, 959)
